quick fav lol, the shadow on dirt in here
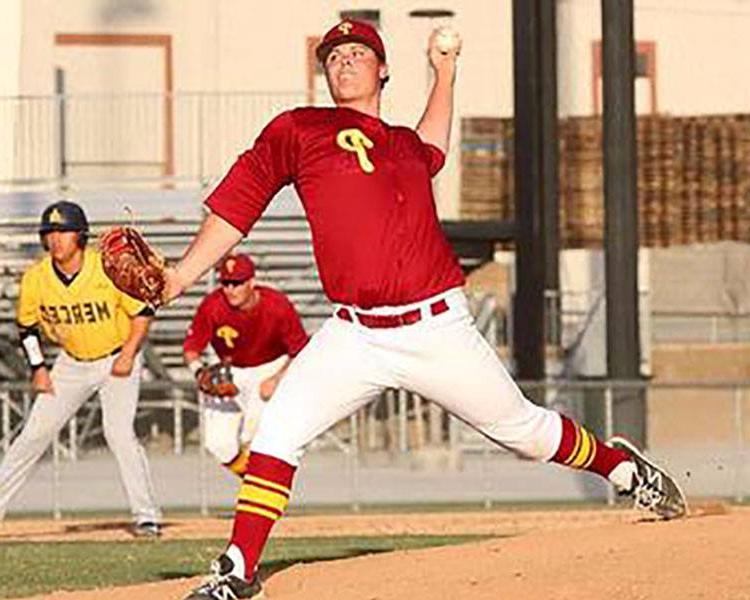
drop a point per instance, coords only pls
(272, 567)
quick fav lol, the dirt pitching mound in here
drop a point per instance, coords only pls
(604, 554)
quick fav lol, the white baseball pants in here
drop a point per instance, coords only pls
(443, 358)
(230, 423)
(74, 382)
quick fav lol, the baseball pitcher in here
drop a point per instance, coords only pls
(66, 296)
(400, 315)
(255, 331)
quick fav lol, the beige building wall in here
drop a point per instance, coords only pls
(699, 50)
(242, 45)
(10, 64)
(230, 45)
(235, 45)
(10, 48)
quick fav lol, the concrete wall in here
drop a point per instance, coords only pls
(701, 278)
(698, 416)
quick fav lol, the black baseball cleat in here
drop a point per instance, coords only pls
(146, 529)
(652, 488)
(221, 585)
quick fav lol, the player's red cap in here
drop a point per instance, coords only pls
(350, 31)
(237, 267)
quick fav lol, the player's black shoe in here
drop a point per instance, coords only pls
(652, 488)
(221, 585)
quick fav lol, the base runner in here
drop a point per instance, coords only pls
(67, 297)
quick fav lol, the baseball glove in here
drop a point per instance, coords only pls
(133, 265)
(216, 380)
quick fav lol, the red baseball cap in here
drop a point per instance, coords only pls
(350, 31)
(237, 267)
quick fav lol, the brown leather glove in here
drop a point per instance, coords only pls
(133, 265)
(216, 380)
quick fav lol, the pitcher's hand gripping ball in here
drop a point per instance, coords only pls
(447, 40)
(133, 265)
(217, 381)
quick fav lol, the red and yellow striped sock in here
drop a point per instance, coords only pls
(263, 497)
(580, 449)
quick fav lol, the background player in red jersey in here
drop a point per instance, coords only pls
(400, 315)
(255, 330)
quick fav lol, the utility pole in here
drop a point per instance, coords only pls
(535, 179)
(621, 212)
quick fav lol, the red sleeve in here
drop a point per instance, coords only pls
(294, 335)
(199, 332)
(257, 175)
(434, 158)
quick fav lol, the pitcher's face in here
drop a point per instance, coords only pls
(353, 72)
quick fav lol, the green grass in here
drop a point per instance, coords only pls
(28, 569)
(338, 509)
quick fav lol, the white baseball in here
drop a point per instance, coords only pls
(447, 40)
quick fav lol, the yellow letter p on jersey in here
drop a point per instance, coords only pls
(353, 140)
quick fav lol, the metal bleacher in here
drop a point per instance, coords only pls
(280, 245)
(282, 249)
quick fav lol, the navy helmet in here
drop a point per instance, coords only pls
(65, 216)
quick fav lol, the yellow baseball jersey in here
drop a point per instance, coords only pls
(89, 317)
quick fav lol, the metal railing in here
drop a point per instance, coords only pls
(61, 140)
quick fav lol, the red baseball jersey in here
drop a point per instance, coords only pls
(247, 338)
(366, 189)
